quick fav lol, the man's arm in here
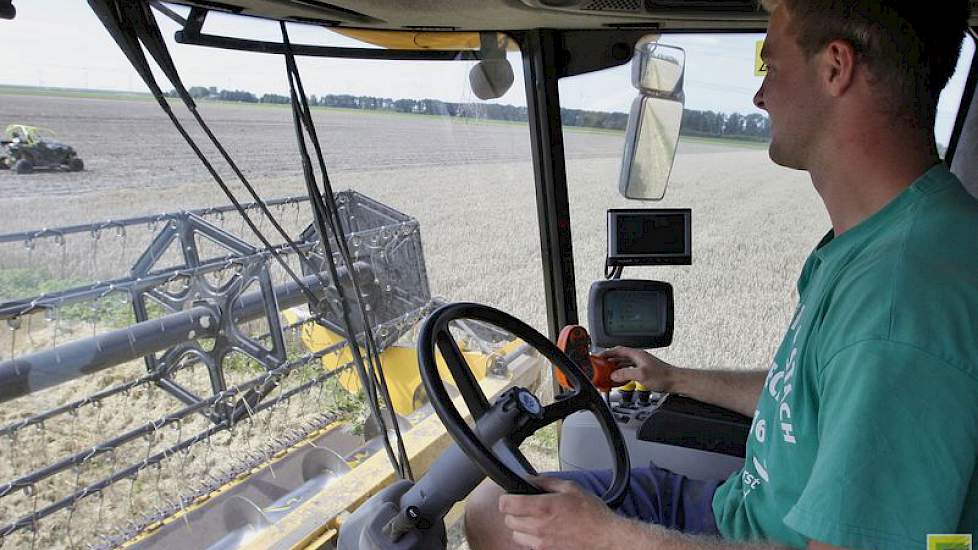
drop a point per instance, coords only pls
(731, 389)
(568, 518)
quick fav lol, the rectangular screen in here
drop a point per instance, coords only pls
(630, 312)
(634, 313)
(649, 237)
(642, 234)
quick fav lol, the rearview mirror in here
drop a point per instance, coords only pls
(652, 133)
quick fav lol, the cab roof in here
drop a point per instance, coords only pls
(510, 15)
(504, 15)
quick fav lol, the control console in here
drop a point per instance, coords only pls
(696, 439)
(658, 432)
(683, 435)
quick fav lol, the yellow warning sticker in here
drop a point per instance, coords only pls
(760, 68)
(949, 542)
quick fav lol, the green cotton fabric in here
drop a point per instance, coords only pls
(866, 432)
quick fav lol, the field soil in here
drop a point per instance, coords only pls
(131, 144)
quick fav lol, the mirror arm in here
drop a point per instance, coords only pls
(489, 46)
(195, 22)
(165, 10)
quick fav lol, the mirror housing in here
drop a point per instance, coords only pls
(491, 78)
(652, 134)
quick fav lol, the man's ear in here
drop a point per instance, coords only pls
(837, 67)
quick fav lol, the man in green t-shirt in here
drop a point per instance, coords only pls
(865, 430)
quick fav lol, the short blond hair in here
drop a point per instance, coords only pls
(770, 5)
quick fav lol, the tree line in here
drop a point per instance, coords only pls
(753, 126)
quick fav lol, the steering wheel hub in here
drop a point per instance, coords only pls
(529, 403)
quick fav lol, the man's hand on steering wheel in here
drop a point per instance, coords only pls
(566, 518)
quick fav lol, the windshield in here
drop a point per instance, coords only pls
(435, 191)
(174, 356)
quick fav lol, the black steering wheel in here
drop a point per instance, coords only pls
(501, 462)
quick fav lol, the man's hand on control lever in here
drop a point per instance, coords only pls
(734, 389)
(642, 367)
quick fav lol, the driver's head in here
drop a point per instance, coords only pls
(831, 62)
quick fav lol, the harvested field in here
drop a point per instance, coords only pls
(470, 185)
(132, 145)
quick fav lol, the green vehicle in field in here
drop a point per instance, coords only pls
(26, 148)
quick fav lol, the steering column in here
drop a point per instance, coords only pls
(409, 515)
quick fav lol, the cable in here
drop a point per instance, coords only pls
(320, 216)
(376, 370)
(141, 29)
(325, 209)
(133, 27)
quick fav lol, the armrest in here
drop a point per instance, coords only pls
(685, 422)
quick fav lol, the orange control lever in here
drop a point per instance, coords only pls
(576, 343)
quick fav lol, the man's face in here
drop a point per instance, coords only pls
(789, 94)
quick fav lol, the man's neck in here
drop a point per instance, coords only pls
(861, 175)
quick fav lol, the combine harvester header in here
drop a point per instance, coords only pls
(205, 382)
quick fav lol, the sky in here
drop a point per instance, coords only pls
(60, 43)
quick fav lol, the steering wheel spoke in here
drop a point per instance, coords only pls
(511, 455)
(558, 410)
(466, 383)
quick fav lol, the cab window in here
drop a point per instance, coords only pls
(753, 222)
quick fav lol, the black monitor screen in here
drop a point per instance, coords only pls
(632, 313)
(644, 235)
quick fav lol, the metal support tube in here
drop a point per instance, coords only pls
(543, 65)
(43, 369)
(258, 46)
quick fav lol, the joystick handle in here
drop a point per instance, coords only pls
(575, 341)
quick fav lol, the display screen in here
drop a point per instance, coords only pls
(630, 312)
(641, 234)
